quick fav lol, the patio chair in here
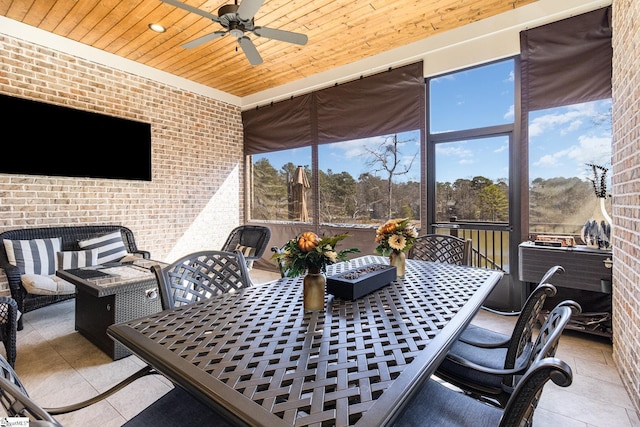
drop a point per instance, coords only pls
(251, 240)
(490, 374)
(435, 404)
(201, 275)
(17, 403)
(8, 327)
(527, 317)
(441, 248)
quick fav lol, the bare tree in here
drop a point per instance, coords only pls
(389, 160)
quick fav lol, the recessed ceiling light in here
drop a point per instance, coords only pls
(157, 28)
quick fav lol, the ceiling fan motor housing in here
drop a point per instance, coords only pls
(228, 9)
(238, 25)
(229, 19)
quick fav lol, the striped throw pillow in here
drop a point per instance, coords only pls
(110, 247)
(77, 259)
(36, 256)
(247, 251)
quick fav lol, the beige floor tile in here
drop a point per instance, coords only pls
(584, 408)
(543, 417)
(600, 391)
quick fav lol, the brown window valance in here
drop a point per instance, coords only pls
(385, 103)
(280, 126)
(568, 61)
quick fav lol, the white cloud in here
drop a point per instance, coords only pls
(593, 149)
(510, 114)
(451, 150)
(356, 148)
(502, 148)
(511, 77)
(547, 161)
(567, 119)
(443, 78)
(590, 149)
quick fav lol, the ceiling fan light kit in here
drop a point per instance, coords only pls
(236, 21)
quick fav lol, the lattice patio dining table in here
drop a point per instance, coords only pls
(257, 358)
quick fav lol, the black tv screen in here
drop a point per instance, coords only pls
(47, 139)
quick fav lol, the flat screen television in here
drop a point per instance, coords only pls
(46, 139)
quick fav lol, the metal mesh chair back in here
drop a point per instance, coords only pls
(549, 334)
(201, 275)
(521, 337)
(542, 367)
(442, 248)
(548, 337)
(251, 240)
(521, 405)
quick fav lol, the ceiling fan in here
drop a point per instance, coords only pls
(238, 20)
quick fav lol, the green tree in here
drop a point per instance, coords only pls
(445, 201)
(370, 194)
(336, 191)
(494, 203)
(556, 205)
(269, 192)
(464, 197)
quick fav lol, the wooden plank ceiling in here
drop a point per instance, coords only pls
(339, 31)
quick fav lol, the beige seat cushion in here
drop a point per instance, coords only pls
(46, 285)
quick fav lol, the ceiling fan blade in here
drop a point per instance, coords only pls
(285, 36)
(203, 39)
(250, 50)
(248, 9)
(192, 9)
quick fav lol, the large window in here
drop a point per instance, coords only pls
(469, 149)
(473, 98)
(358, 144)
(563, 142)
(471, 119)
(281, 185)
(369, 180)
(566, 100)
(472, 180)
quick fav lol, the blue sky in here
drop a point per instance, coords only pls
(562, 140)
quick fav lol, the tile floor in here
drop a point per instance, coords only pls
(59, 367)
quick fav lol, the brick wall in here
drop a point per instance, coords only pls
(194, 198)
(626, 193)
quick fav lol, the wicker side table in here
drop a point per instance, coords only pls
(112, 298)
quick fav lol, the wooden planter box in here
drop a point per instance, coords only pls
(346, 286)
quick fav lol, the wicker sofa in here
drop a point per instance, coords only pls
(71, 236)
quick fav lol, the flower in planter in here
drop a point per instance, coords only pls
(310, 252)
(395, 235)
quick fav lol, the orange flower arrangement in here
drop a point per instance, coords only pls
(395, 235)
(308, 251)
